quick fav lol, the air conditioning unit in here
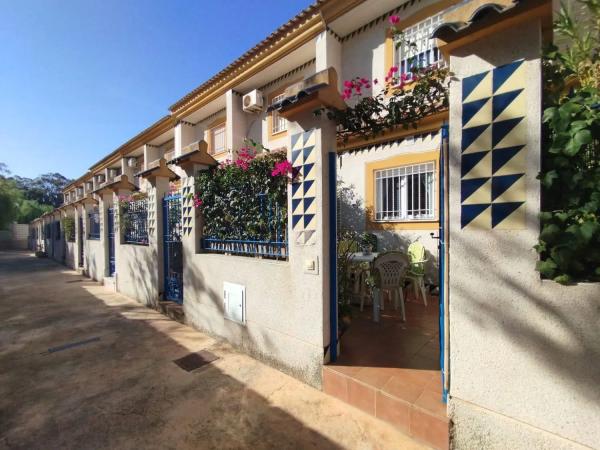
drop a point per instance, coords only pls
(253, 101)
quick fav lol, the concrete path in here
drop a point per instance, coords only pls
(124, 391)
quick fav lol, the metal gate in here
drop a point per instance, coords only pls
(111, 242)
(172, 247)
(80, 242)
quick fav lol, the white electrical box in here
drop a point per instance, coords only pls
(234, 302)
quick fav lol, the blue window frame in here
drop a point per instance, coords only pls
(57, 230)
(94, 220)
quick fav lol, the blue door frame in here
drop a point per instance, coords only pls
(80, 242)
(442, 253)
(111, 242)
(172, 249)
(333, 304)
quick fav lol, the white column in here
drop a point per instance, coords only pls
(185, 134)
(311, 139)
(236, 126)
(329, 54)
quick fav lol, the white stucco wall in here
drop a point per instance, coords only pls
(137, 272)
(70, 254)
(94, 258)
(280, 328)
(523, 352)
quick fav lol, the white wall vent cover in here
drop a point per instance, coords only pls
(234, 302)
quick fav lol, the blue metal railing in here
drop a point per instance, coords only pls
(94, 219)
(135, 217)
(270, 249)
(270, 242)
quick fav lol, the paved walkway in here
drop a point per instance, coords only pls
(124, 391)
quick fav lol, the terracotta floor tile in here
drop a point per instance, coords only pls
(373, 376)
(400, 388)
(346, 370)
(335, 384)
(435, 385)
(415, 376)
(431, 430)
(393, 411)
(361, 396)
(432, 402)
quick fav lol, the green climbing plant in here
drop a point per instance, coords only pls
(569, 241)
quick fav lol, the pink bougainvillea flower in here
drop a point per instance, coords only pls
(375, 81)
(394, 69)
(394, 19)
(282, 168)
(197, 201)
(348, 84)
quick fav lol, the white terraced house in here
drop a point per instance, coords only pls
(458, 355)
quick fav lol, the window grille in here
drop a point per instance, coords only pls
(218, 139)
(94, 218)
(421, 50)
(278, 123)
(134, 219)
(57, 230)
(405, 193)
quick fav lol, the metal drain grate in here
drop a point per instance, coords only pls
(196, 360)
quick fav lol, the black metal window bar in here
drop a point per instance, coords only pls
(134, 216)
(268, 242)
(57, 230)
(94, 218)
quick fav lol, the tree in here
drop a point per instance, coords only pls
(46, 189)
(28, 210)
(10, 197)
(23, 199)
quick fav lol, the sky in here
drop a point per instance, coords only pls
(78, 78)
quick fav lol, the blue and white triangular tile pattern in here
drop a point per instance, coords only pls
(304, 208)
(493, 146)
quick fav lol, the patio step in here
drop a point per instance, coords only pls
(420, 415)
(172, 310)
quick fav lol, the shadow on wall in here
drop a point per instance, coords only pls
(545, 332)
(135, 394)
(556, 325)
(204, 309)
(352, 215)
(137, 271)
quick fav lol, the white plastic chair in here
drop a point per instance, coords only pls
(390, 270)
(416, 271)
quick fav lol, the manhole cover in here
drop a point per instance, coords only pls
(196, 360)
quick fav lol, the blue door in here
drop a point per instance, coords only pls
(111, 242)
(80, 241)
(442, 253)
(172, 248)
